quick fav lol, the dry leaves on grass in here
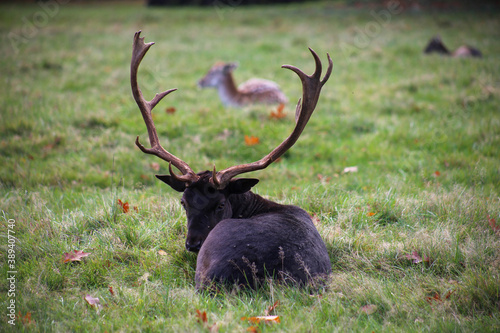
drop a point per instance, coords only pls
(125, 206)
(74, 256)
(251, 140)
(493, 224)
(26, 319)
(201, 317)
(368, 309)
(93, 302)
(278, 114)
(267, 318)
(416, 258)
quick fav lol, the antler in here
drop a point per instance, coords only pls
(139, 51)
(311, 88)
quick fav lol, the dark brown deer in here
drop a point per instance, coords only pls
(241, 238)
(436, 45)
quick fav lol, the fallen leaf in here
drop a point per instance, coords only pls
(251, 140)
(493, 224)
(414, 257)
(111, 291)
(350, 169)
(370, 214)
(74, 256)
(93, 302)
(53, 144)
(271, 308)
(162, 253)
(325, 179)
(278, 114)
(170, 110)
(368, 309)
(26, 320)
(264, 319)
(449, 293)
(436, 174)
(435, 298)
(124, 205)
(201, 316)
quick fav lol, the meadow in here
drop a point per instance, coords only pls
(399, 166)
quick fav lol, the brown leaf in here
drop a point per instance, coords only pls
(93, 302)
(370, 214)
(435, 298)
(325, 179)
(170, 110)
(493, 224)
(201, 316)
(368, 309)
(111, 291)
(265, 319)
(449, 293)
(436, 174)
(74, 256)
(251, 140)
(414, 257)
(52, 145)
(253, 329)
(124, 205)
(26, 320)
(162, 253)
(278, 114)
(271, 308)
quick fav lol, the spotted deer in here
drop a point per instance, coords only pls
(253, 91)
(241, 238)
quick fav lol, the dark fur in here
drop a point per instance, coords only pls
(436, 45)
(243, 238)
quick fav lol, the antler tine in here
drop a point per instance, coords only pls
(311, 89)
(139, 51)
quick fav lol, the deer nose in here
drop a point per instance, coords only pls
(193, 247)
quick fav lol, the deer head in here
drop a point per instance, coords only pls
(206, 193)
(216, 74)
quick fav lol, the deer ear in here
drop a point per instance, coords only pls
(229, 67)
(240, 185)
(172, 182)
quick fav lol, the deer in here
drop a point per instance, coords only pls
(241, 238)
(253, 91)
(436, 45)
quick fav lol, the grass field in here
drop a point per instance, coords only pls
(413, 235)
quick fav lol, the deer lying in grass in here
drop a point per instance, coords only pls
(436, 45)
(253, 91)
(240, 237)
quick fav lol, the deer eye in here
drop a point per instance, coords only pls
(221, 206)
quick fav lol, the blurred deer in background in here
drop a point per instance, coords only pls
(436, 45)
(253, 91)
(241, 238)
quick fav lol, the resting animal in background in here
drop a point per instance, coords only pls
(253, 91)
(436, 45)
(240, 237)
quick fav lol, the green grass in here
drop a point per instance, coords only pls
(424, 132)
